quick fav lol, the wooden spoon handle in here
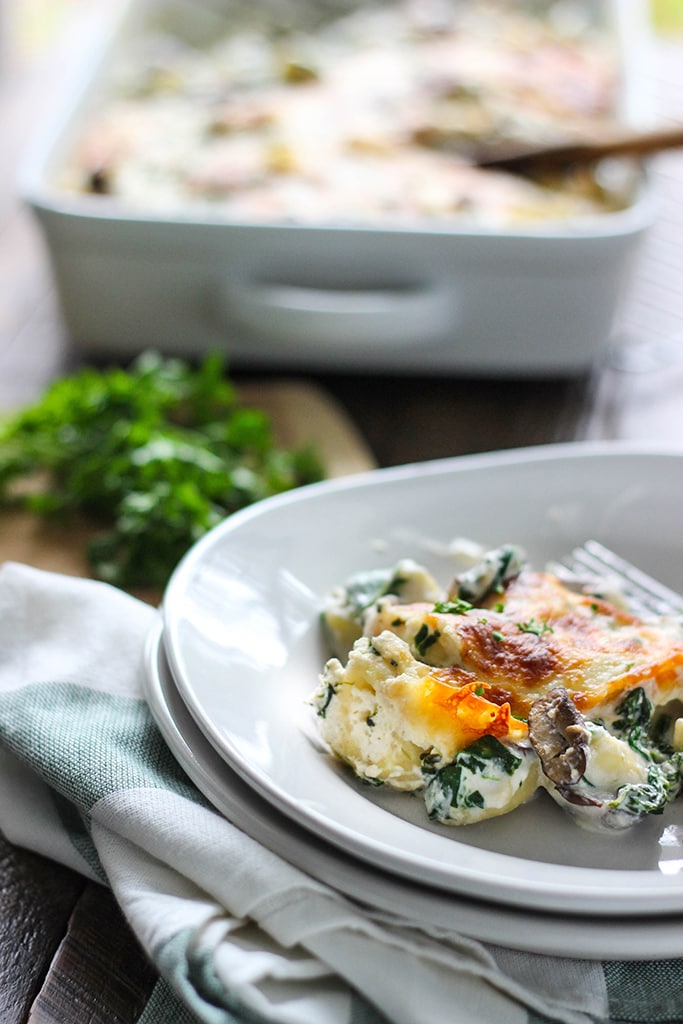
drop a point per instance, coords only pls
(564, 154)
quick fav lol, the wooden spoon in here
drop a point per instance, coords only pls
(557, 156)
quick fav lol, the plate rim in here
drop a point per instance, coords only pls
(429, 467)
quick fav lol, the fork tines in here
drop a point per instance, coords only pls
(642, 593)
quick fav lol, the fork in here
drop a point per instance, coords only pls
(592, 563)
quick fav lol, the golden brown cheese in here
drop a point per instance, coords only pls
(458, 705)
(539, 636)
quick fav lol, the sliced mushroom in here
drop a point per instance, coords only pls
(559, 736)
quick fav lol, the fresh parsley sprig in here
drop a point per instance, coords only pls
(154, 455)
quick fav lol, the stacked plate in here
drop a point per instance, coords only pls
(238, 651)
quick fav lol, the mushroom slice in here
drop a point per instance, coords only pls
(621, 784)
(559, 736)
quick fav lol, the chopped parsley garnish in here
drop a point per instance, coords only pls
(154, 456)
(457, 606)
(537, 628)
(497, 635)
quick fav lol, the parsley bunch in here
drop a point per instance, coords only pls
(154, 455)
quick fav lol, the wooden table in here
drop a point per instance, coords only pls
(66, 955)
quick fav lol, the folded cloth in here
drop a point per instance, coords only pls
(238, 934)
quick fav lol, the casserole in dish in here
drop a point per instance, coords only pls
(303, 195)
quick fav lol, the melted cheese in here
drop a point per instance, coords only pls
(545, 635)
(434, 695)
(385, 709)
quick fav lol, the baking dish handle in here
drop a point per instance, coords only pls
(315, 316)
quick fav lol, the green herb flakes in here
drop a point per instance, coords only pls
(537, 628)
(456, 606)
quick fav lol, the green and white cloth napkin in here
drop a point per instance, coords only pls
(238, 934)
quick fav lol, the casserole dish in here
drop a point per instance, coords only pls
(413, 295)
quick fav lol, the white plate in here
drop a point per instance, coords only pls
(242, 635)
(569, 935)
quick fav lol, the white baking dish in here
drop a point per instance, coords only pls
(430, 299)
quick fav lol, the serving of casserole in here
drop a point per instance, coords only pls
(508, 682)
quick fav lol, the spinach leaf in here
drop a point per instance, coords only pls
(458, 784)
(489, 575)
(634, 724)
(663, 785)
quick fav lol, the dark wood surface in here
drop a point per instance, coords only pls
(66, 955)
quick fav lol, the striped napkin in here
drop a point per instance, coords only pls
(238, 935)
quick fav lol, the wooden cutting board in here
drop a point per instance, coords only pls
(301, 413)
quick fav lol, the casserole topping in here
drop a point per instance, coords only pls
(508, 682)
(367, 118)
